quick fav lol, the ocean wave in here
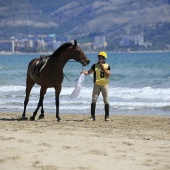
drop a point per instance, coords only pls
(146, 93)
(121, 99)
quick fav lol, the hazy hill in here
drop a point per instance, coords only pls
(85, 19)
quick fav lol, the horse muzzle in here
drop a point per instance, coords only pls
(85, 63)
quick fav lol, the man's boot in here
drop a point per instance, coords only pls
(93, 107)
(107, 112)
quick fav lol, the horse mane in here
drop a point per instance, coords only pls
(61, 48)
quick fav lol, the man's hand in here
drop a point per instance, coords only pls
(101, 66)
(87, 72)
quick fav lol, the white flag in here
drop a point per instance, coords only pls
(78, 86)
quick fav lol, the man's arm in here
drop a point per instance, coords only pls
(87, 72)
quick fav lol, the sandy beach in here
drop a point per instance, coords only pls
(126, 142)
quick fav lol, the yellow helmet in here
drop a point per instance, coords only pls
(102, 53)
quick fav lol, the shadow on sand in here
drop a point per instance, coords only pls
(13, 119)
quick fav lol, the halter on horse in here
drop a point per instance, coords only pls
(51, 74)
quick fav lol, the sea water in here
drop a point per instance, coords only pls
(139, 84)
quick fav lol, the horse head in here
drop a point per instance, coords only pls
(79, 55)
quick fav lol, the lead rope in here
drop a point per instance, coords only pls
(73, 80)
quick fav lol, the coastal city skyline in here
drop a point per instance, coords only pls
(113, 25)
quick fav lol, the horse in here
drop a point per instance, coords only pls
(47, 71)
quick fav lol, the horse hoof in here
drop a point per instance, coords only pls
(41, 116)
(24, 118)
(32, 118)
(59, 120)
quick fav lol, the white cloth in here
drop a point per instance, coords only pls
(78, 86)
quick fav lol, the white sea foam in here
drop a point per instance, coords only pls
(119, 92)
(120, 98)
(11, 88)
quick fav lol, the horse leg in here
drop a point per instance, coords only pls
(40, 103)
(57, 93)
(41, 116)
(29, 84)
(57, 109)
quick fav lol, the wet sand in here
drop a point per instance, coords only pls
(126, 142)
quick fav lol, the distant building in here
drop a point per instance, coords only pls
(87, 46)
(100, 42)
(30, 43)
(131, 40)
(39, 44)
(139, 40)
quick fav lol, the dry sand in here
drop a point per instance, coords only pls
(124, 143)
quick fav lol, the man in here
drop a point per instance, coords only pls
(101, 74)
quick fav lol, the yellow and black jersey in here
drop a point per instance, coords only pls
(98, 74)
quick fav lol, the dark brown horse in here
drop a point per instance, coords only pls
(51, 74)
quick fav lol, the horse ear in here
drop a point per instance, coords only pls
(75, 43)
